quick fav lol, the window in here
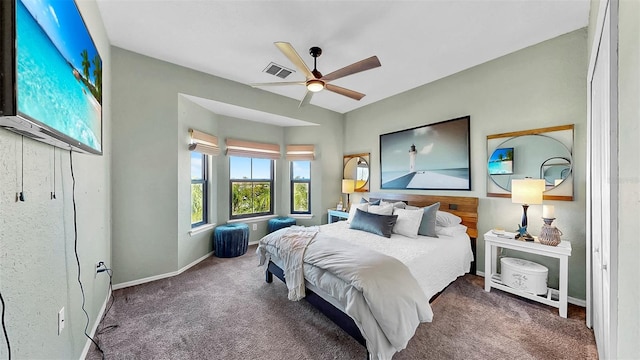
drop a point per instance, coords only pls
(251, 186)
(300, 187)
(199, 189)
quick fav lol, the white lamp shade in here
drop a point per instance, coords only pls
(527, 191)
(348, 186)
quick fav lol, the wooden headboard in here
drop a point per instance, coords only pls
(464, 207)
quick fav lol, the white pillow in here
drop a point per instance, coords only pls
(398, 205)
(408, 222)
(451, 230)
(446, 219)
(386, 209)
(352, 211)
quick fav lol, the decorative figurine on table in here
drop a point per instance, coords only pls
(523, 234)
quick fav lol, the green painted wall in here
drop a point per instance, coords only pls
(38, 271)
(129, 206)
(543, 85)
(150, 162)
(190, 115)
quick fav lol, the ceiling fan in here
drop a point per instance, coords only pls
(315, 80)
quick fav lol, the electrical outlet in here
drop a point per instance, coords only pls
(99, 268)
(255, 227)
(60, 320)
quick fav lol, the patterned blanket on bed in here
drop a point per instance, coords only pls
(292, 245)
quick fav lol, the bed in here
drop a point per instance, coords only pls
(433, 263)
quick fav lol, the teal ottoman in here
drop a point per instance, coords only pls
(279, 223)
(231, 240)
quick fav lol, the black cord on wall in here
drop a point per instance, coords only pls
(104, 329)
(53, 191)
(75, 249)
(21, 195)
(4, 328)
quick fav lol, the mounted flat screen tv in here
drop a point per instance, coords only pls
(501, 162)
(51, 75)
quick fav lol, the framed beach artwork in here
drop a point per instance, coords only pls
(428, 157)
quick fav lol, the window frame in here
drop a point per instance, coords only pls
(292, 184)
(205, 190)
(271, 186)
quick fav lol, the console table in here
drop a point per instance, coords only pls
(493, 280)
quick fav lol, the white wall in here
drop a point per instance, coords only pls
(150, 190)
(628, 316)
(540, 86)
(629, 175)
(38, 271)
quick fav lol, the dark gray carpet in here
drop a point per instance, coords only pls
(223, 309)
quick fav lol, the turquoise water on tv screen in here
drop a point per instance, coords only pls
(50, 89)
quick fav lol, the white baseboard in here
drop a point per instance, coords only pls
(570, 300)
(161, 276)
(88, 344)
(577, 302)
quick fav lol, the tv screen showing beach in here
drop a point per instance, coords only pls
(59, 71)
(501, 162)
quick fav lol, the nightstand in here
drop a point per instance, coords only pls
(493, 280)
(337, 215)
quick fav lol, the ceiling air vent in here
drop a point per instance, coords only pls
(278, 70)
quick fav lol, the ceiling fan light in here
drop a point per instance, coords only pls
(315, 85)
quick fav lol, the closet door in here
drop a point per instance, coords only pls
(602, 187)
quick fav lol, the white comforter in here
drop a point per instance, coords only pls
(377, 291)
(434, 262)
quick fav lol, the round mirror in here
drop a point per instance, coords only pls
(357, 168)
(534, 156)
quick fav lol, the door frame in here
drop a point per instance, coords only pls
(606, 8)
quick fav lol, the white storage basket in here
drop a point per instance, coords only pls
(524, 275)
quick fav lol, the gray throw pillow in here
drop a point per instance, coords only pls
(428, 224)
(376, 224)
(365, 201)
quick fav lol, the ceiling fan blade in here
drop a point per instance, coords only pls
(306, 99)
(354, 68)
(278, 83)
(342, 91)
(293, 56)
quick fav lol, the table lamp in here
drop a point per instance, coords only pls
(526, 192)
(348, 187)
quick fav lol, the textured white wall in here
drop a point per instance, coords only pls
(38, 272)
(543, 85)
